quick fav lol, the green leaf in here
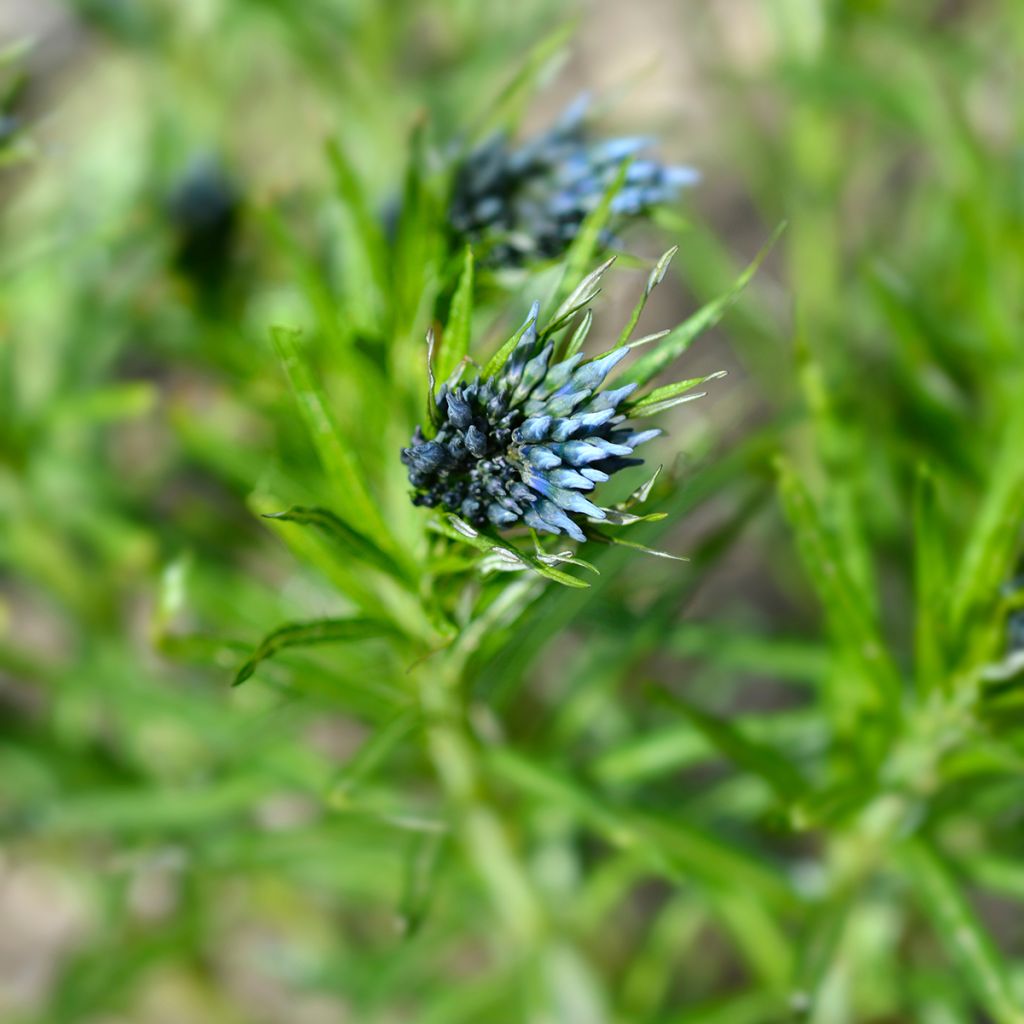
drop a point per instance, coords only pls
(366, 248)
(581, 296)
(354, 544)
(655, 278)
(988, 559)
(586, 245)
(504, 112)
(930, 585)
(579, 336)
(679, 340)
(117, 402)
(498, 360)
(308, 634)
(339, 462)
(670, 395)
(457, 332)
(959, 930)
(607, 538)
(747, 754)
(847, 608)
(490, 542)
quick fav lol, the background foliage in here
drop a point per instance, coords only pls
(780, 781)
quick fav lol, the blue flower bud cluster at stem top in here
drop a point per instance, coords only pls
(527, 445)
(527, 204)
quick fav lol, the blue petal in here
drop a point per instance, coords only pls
(534, 429)
(562, 405)
(610, 399)
(500, 516)
(541, 456)
(459, 411)
(591, 375)
(476, 442)
(578, 453)
(573, 501)
(547, 516)
(566, 477)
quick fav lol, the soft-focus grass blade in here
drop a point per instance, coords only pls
(987, 562)
(504, 113)
(365, 265)
(748, 755)
(847, 608)
(308, 634)
(339, 463)
(931, 587)
(455, 345)
(958, 928)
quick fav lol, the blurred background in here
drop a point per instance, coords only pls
(175, 850)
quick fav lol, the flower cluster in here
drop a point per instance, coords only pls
(528, 443)
(204, 211)
(526, 204)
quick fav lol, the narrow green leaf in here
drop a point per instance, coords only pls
(930, 567)
(607, 538)
(988, 559)
(490, 542)
(366, 247)
(339, 463)
(117, 402)
(307, 634)
(355, 545)
(505, 111)
(579, 336)
(958, 928)
(498, 360)
(747, 754)
(847, 608)
(581, 296)
(586, 245)
(657, 275)
(679, 340)
(311, 281)
(457, 332)
(670, 395)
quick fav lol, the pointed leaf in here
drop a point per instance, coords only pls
(680, 339)
(306, 634)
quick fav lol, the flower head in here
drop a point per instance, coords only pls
(525, 204)
(528, 444)
(204, 209)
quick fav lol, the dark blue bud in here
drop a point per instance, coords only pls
(540, 456)
(534, 429)
(476, 442)
(459, 411)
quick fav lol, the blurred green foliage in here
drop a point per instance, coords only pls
(779, 782)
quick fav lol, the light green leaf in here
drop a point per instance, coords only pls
(355, 545)
(670, 395)
(747, 754)
(457, 332)
(957, 927)
(490, 542)
(657, 275)
(847, 608)
(338, 461)
(679, 340)
(307, 634)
